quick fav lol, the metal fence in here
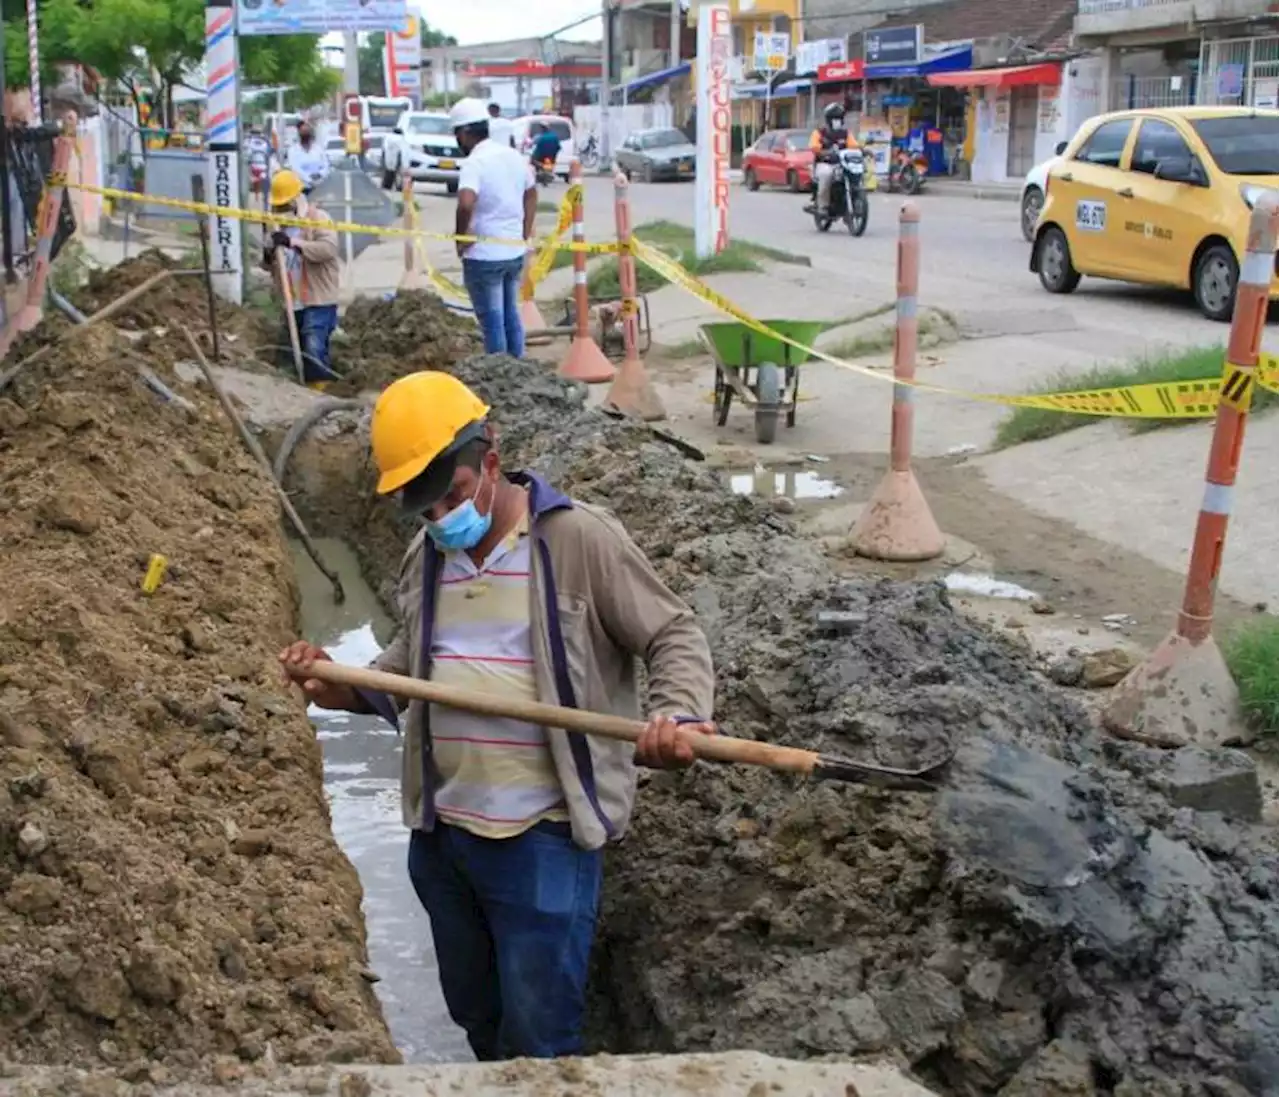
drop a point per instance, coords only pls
(1240, 72)
(1129, 92)
(26, 159)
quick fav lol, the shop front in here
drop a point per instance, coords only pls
(1015, 116)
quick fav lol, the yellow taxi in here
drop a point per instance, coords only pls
(1160, 197)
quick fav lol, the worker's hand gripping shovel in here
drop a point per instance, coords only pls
(714, 748)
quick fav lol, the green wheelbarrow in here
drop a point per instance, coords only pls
(763, 372)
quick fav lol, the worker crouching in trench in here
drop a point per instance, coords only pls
(516, 590)
(314, 272)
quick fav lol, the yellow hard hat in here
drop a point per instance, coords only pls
(417, 419)
(285, 188)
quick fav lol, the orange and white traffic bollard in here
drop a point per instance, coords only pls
(47, 225)
(897, 524)
(585, 360)
(631, 393)
(412, 278)
(1184, 692)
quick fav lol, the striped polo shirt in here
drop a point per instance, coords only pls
(497, 776)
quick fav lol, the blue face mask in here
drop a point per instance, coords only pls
(462, 528)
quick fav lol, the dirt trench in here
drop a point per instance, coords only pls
(1072, 915)
(172, 901)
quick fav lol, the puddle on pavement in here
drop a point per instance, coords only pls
(793, 482)
(362, 785)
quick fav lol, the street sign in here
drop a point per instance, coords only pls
(320, 16)
(810, 56)
(772, 51)
(893, 45)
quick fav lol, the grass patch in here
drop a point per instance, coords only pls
(878, 342)
(690, 348)
(545, 206)
(1253, 655)
(677, 241)
(1192, 364)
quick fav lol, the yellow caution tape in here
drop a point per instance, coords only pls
(1160, 400)
(541, 265)
(156, 568)
(234, 213)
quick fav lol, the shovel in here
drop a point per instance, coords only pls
(712, 748)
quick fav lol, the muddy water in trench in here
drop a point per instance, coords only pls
(362, 784)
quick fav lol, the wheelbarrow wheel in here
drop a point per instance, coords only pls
(768, 401)
(723, 398)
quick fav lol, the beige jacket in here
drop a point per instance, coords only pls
(597, 606)
(320, 276)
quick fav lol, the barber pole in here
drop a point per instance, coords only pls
(222, 135)
(1184, 692)
(714, 125)
(585, 360)
(897, 524)
(33, 59)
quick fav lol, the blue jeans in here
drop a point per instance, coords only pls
(315, 327)
(512, 920)
(494, 289)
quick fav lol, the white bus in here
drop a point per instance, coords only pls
(380, 113)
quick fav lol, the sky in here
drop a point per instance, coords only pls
(475, 21)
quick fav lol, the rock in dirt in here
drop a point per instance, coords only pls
(132, 928)
(1048, 893)
(389, 337)
(1102, 669)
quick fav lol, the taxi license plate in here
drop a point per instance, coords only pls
(685, 168)
(448, 164)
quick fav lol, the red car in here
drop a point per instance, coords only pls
(780, 158)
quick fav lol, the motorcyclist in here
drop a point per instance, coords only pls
(546, 147)
(825, 143)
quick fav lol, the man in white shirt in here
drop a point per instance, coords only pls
(307, 159)
(497, 198)
(500, 129)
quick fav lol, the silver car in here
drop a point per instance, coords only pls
(657, 154)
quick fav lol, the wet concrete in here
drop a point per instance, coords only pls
(362, 785)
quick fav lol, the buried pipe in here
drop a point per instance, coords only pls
(255, 450)
(304, 423)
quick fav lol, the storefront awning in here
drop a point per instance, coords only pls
(1016, 76)
(952, 60)
(760, 91)
(653, 79)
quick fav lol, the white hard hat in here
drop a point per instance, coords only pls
(467, 112)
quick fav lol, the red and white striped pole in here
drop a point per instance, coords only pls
(585, 360)
(1184, 692)
(632, 393)
(47, 224)
(897, 524)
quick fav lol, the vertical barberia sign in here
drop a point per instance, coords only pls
(224, 197)
(721, 122)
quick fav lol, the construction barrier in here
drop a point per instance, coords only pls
(1184, 692)
(47, 225)
(585, 361)
(897, 523)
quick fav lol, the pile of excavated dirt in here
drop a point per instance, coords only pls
(1070, 915)
(387, 338)
(172, 901)
(161, 316)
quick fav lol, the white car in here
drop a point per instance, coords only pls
(336, 150)
(422, 147)
(1033, 188)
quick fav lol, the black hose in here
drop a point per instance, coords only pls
(304, 423)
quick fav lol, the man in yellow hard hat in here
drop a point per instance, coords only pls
(314, 271)
(515, 590)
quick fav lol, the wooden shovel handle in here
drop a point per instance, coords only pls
(286, 291)
(715, 748)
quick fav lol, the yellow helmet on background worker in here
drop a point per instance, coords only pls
(420, 422)
(285, 188)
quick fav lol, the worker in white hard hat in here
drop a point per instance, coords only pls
(497, 199)
(501, 129)
(314, 272)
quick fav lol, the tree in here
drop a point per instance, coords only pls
(372, 50)
(158, 44)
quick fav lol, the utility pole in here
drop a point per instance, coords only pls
(351, 62)
(606, 82)
(675, 33)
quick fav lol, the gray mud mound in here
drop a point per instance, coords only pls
(1070, 915)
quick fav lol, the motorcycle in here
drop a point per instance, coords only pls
(589, 154)
(848, 195)
(545, 172)
(906, 172)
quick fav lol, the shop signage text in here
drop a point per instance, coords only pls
(893, 45)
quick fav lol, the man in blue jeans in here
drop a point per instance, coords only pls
(518, 591)
(496, 199)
